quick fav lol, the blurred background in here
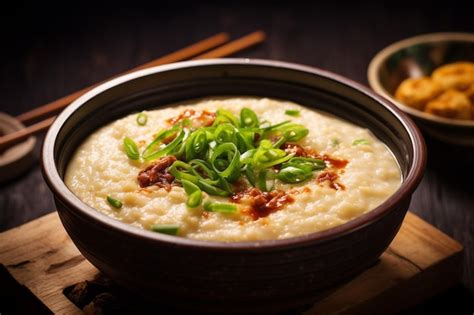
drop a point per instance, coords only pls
(51, 50)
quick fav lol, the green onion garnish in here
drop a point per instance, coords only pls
(360, 142)
(170, 229)
(131, 149)
(220, 207)
(226, 161)
(211, 158)
(306, 164)
(156, 150)
(194, 194)
(266, 180)
(292, 112)
(248, 118)
(114, 202)
(293, 175)
(142, 118)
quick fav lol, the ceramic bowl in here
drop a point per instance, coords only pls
(419, 56)
(244, 276)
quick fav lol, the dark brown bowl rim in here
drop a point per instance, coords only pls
(407, 187)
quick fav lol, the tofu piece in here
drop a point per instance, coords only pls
(458, 75)
(417, 92)
(450, 104)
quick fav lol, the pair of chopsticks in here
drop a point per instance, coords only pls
(216, 46)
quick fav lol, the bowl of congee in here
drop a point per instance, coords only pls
(232, 184)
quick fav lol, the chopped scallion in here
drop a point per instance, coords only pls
(114, 202)
(131, 149)
(248, 118)
(360, 142)
(170, 229)
(194, 194)
(293, 175)
(142, 118)
(220, 207)
(292, 112)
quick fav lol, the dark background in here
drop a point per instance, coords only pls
(49, 51)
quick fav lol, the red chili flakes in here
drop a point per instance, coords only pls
(331, 177)
(300, 190)
(261, 204)
(294, 148)
(337, 163)
(198, 118)
(239, 185)
(308, 152)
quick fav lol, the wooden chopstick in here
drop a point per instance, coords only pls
(13, 138)
(223, 51)
(234, 46)
(182, 54)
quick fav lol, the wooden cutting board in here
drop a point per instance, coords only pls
(421, 262)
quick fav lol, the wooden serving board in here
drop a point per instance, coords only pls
(420, 262)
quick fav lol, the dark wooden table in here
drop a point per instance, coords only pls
(47, 57)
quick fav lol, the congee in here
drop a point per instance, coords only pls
(233, 169)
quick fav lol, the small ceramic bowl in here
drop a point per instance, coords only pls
(263, 276)
(18, 158)
(419, 56)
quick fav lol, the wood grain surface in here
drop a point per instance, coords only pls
(50, 55)
(420, 262)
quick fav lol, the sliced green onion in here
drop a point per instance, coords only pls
(276, 126)
(276, 162)
(266, 155)
(245, 141)
(170, 229)
(194, 199)
(211, 189)
(189, 187)
(142, 118)
(250, 174)
(360, 142)
(280, 142)
(201, 167)
(225, 133)
(294, 132)
(131, 149)
(335, 142)
(248, 118)
(187, 172)
(247, 157)
(196, 145)
(266, 180)
(292, 112)
(147, 155)
(231, 172)
(306, 164)
(223, 115)
(114, 202)
(293, 175)
(220, 207)
(194, 193)
(181, 171)
(210, 158)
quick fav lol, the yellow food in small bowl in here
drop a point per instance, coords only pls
(449, 92)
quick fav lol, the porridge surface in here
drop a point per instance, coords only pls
(100, 168)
